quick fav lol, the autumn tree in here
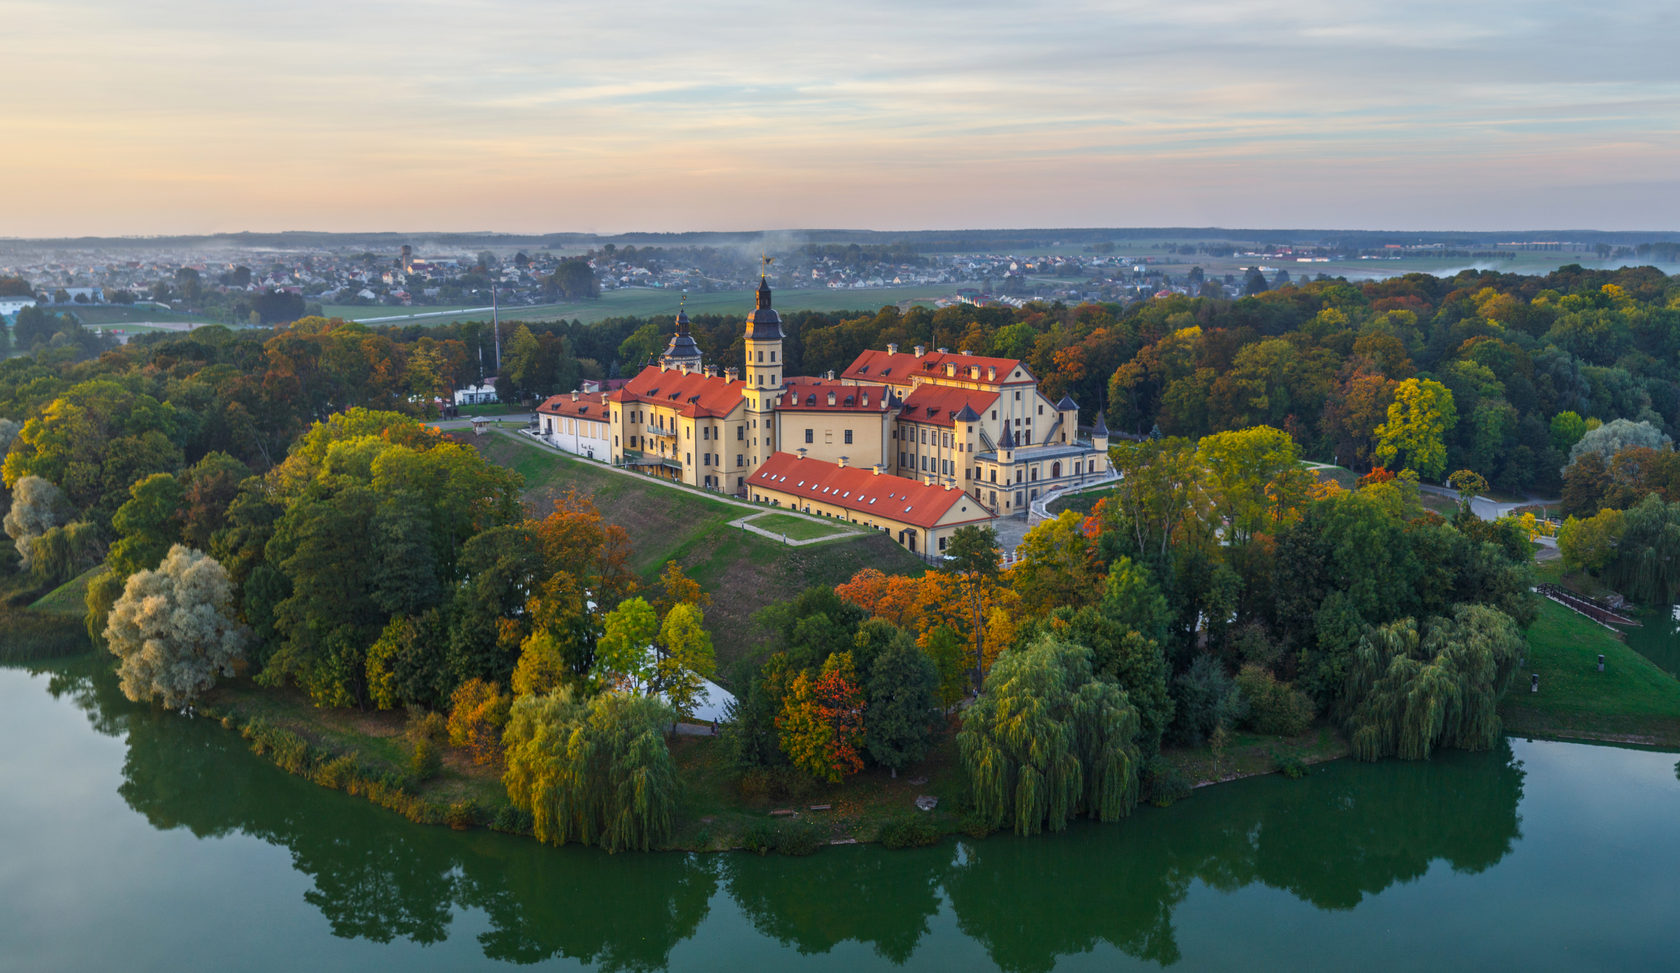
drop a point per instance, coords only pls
(1419, 419)
(821, 722)
(1255, 478)
(477, 712)
(174, 629)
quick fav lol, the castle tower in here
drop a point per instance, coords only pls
(1099, 442)
(764, 374)
(682, 352)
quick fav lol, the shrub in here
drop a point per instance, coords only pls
(975, 825)
(1289, 764)
(461, 815)
(336, 773)
(798, 838)
(1274, 706)
(759, 838)
(911, 831)
(477, 712)
(1206, 699)
(1163, 782)
(427, 760)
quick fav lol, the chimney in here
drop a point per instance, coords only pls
(944, 351)
(730, 374)
(574, 396)
(927, 479)
(876, 469)
(892, 349)
(921, 350)
(964, 352)
(710, 371)
(801, 452)
(831, 375)
(842, 463)
(950, 483)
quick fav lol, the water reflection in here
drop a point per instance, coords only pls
(1344, 833)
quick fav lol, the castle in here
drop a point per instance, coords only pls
(913, 443)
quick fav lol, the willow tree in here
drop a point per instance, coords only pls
(596, 772)
(174, 629)
(1048, 741)
(1411, 690)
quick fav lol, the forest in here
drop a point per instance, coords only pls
(266, 504)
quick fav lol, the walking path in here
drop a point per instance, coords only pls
(746, 523)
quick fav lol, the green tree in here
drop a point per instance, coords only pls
(597, 773)
(625, 658)
(686, 658)
(1046, 741)
(1419, 419)
(174, 629)
(147, 525)
(901, 707)
(1256, 478)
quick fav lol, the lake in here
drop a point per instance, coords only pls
(138, 840)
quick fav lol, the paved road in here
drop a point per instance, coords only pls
(1485, 508)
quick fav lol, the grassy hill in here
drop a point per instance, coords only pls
(742, 571)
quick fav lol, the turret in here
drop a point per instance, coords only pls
(1068, 410)
(682, 351)
(1099, 442)
(1006, 447)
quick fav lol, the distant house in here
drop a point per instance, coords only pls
(477, 394)
(10, 306)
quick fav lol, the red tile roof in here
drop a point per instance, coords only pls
(938, 404)
(693, 394)
(882, 495)
(585, 407)
(813, 397)
(900, 369)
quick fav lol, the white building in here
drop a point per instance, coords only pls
(10, 306)
(477, 394)
(579, 424)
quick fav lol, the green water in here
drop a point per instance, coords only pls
(137, 840)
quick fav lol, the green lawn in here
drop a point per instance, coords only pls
(798, 528)
(122, 314)
(68, 599)
(1632, 701)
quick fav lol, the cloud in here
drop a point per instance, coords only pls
(539, 116)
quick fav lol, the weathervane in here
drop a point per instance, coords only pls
(764, 272)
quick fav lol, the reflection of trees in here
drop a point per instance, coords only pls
(1343, 833)
(380, 878)
(1030, 900)
(624, 912)
(815, 903)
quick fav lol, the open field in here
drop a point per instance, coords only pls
(742, 571)
(1632, 701)
(107, 314)
(650, 302)
(798, 528)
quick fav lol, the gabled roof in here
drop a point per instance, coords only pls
(1066, 404)
(904, 368)
(812, 396)
(692, 394)
(939, 405)
(583, 407)
(879, 495)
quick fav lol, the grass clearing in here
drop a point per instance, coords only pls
(69, 599)
(799, 528)
(1632, 701)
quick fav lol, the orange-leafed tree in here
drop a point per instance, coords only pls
(821, 723)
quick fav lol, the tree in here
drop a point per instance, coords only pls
(974, 559)
(625, 658)
(1412, 691)
(685, 660)
(573, 280)
(1046, 741)
(1057, 565)
(1613, 437)
(598, 772)
(1590, 544)
(147, 525)
(37, 507)
(477, 712)
(1419, 419)
(174, 629)
(821, 722)
(899, 716)
(1256, 478)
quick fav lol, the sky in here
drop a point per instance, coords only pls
(207, 116)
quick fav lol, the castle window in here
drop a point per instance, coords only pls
(808, 436)
(848, 437)
(772, 356)
(740, 433)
